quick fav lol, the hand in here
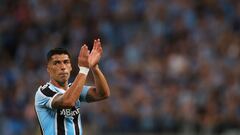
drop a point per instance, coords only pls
(83, 56)
(95, 54)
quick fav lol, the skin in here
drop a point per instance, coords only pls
(59, 68)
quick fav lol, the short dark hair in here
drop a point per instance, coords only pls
(57, 51)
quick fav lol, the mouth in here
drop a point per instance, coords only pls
(63, 74)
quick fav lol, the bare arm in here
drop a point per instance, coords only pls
(101, 90)
(69, 98)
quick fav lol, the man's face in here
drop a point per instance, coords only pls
(59, 68)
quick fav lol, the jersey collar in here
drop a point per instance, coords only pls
(53, 87)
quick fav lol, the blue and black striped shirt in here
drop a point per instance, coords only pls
(58, 121)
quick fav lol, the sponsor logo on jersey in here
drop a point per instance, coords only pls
(69, 112)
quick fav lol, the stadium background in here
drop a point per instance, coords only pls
(172, 65)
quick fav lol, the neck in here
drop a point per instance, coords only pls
(62, 85)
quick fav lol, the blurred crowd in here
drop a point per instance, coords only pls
(172, 65)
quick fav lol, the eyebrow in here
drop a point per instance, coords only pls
(61, 60)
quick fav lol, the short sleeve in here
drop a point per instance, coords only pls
(44, 97)
(84, 93)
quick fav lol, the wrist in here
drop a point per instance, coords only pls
(95, 67)
(83, 70)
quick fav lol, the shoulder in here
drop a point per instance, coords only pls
(46, 91)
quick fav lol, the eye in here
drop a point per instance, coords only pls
(56, 62)
(66, 62)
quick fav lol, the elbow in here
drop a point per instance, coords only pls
(104, 97)
(107, 94)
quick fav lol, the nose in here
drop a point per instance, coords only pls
(63, 66)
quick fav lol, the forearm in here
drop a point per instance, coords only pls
(100, 82)
(69, 98)
(73, 93)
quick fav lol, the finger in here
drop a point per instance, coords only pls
(85, 50)
(99, 42)
(99, 45)
(94, 44)
(81, 51)
(100, 50)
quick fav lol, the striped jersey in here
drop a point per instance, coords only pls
(58, 121)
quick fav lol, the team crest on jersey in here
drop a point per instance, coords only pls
(70, 112)
(42, 87)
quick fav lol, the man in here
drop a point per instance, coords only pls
(57, 103)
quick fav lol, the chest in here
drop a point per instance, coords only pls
(71, 112)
